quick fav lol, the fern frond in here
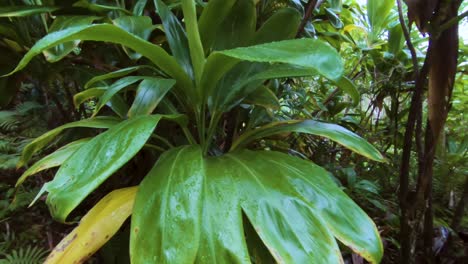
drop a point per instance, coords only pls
(26, 255)
(25, 107)
(9, 120)
(8, 161)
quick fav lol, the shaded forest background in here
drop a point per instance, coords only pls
(410, 73)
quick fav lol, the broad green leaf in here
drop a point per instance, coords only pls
(95, 228)
(238, 27)
(395, 39)
(114, 74)
(197, 53)
(348, 87)
(308, 53)
(211, 19)
(173, 216)
(333, 132)
(377, 13)
(114, 34)
(307, 56)
(149, 93)
(286, 223)
(97, 160)
(245, 78)
(42, 141)
(54, 159)
(63, 22)
(264, 97)
(176, 37)
(281, 25)
(19, 11)
(294, 206)
(215, 68)
(328, 203)
(140, 26)
(114, 89)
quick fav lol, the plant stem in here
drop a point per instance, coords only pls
(189, 136)
(203, 122)
(211, 130)
(155, 147)
(309, 10)
(451, 22)
(162, 139)
(406, 33)
(200, 127)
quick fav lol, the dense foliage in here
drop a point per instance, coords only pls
(233, 131)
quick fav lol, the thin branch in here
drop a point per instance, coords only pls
(405, 204)
(452, 22)
(310, 7)
(406, 33)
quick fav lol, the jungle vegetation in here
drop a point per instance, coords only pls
(233, 131)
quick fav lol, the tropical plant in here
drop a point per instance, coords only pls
(206, 191)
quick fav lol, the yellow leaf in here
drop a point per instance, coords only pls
(95, 228)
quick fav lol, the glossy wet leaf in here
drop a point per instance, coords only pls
(19, 11)
(42, 141)
(308, 53)
(95, 228)
(54, 159)
(114, 34)
(288, 58)
(333, 132)
(245, 78)
(294, 206)
(149, 93)
(97, 160)
(176, 37)
(63, 22)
